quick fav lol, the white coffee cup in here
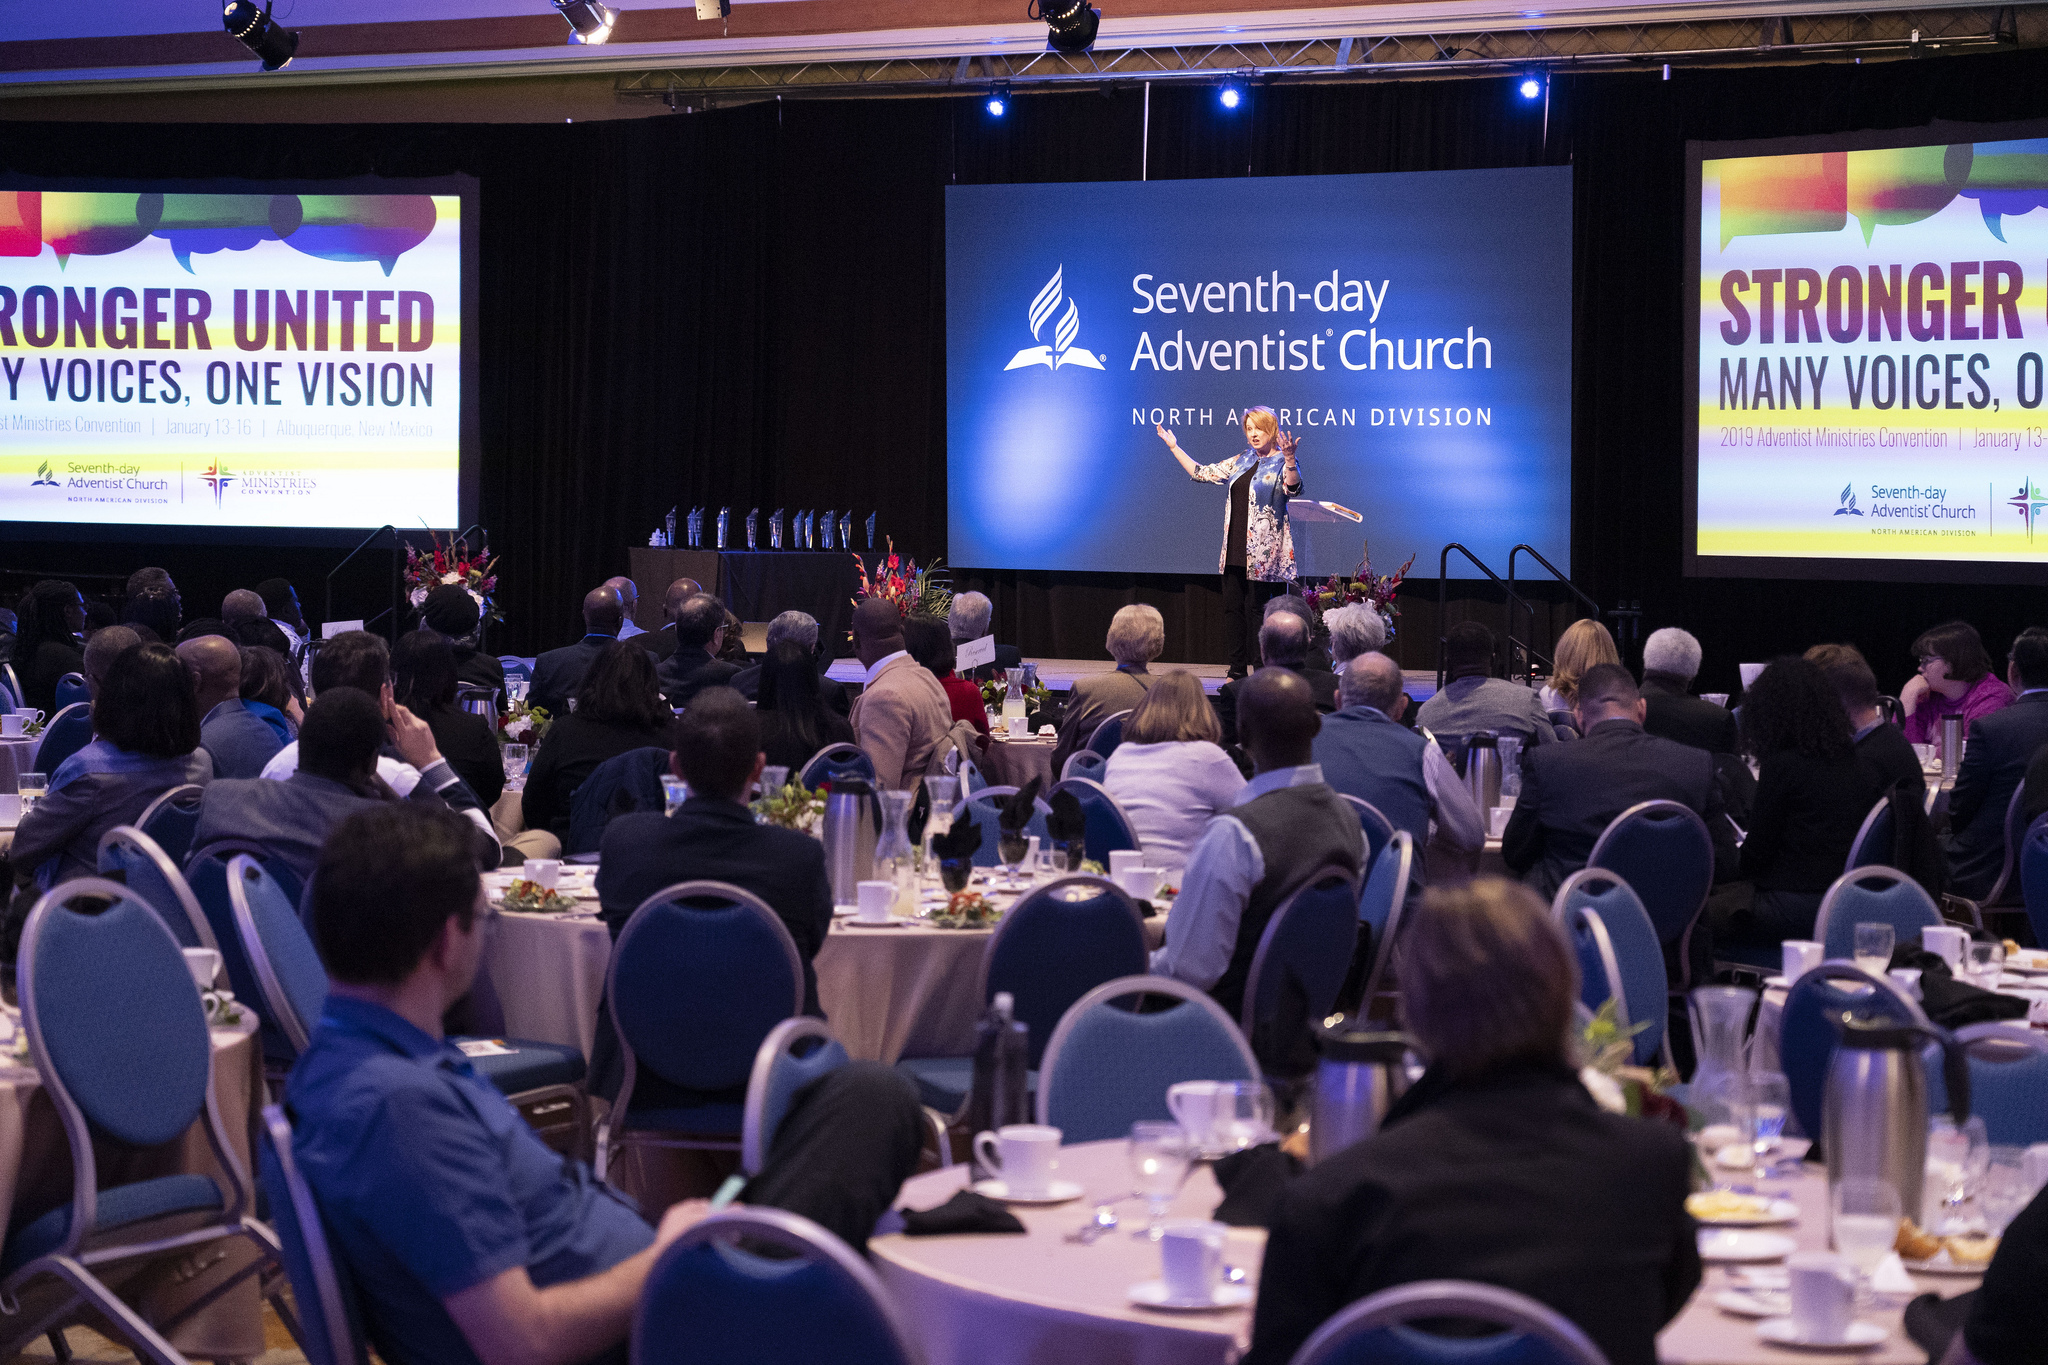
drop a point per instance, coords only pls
(204, 964)
(1750, 673)
(1823, 1295)
(1123, 860)
(1139, 883)
(1906, 979)
(1191, 1257)
(1193, 1106)
(1497, 820)
(1024, 1154)
(1801, 956)
(876, 899)
(1020, 727)
(543, 872)
(1946, 942)
(13, 724)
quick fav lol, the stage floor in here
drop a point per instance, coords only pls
(1061, 674)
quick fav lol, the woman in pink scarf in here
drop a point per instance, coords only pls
(1955, 679)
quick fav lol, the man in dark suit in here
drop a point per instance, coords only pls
(1283, 643)
(662, 643)
(1671, 660)
(559, 672)
(1572, 792)
(699, 628)
(968, 620)
(1995, 761)
(800, 628)
(450, 611)
(1878, 742)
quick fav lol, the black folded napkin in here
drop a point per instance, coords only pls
(1067, 824)
(1018, 806)
(964, 1212)
(1949, 1002)
(961, 841)
(1252, 1182)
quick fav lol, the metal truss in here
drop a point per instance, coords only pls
(1875, 34)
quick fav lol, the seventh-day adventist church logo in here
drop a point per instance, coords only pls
(1061, 352)
(1848, 507)
(44, 478)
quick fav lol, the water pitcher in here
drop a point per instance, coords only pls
(849, 831)
(895, 858)
(1874, 1107)
(1482, 770)
(1360, 1075)
(1720, 1018)
(1013, 696)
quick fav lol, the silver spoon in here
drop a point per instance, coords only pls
(1104, 1220)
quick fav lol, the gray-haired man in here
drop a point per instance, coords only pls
(970, 619)
(802, 629)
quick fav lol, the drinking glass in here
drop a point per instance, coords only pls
(31, 786)
(1957, 1158)
(1771, 1094)
(774, 777)
(2004, 1191)
(674, 791)
(944, 791)
(1866, 1221)
(1050, 863)
(1012, 848)
(1244, 1114)
(515, 688)
(515, 757)
(1874, 948)
(1160, 1156)
(1984, 960)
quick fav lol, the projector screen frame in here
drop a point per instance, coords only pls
(469, 441)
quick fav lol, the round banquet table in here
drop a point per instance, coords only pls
(1013, 762)
(17, 756)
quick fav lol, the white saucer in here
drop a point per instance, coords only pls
(1059, 1192)
(1773, 981)
(1749, 1303)
(1729, 1244)
(1942, 1265)
(1779, 1211)
(1152, 1294)
(1783, 1332)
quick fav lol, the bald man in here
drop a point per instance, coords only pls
(1286, 826)
(1285, 641)
(236, 737)
(243, 604)
(902, 712)
(559, 672)
(629, 598)
(662, 643)
(1364, 751)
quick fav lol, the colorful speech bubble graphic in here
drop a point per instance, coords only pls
(204, 223)
(363, 227)
(1901, 185)
(1764, 196)
(2008, 178)
(21, 222)
(97, 224)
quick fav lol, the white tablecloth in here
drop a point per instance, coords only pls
(17, 756)
(1013, 762)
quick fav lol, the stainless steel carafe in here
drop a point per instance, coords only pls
(850, 836)
(1874, 1107)
(1360, 1075)
(1482, 770)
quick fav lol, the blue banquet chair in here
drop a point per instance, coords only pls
(1106, 1066)
(1298, 969)
(1638, 983)
(1378, 1330)
(1871, 895)
(330, 1324)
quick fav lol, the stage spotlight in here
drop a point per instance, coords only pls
(1230, 96)
(999, 101)
(1530, 87)
(589, 21)
(1072, 23)
(254, 29)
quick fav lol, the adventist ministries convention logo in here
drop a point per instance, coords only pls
(217, 478)
(1848, 507)
(2031, 502)
(1060, 352)
(44, 478)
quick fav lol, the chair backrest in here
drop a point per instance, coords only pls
(10, 688)
(986, 807)
(2015, 829)
(2033, 864)
(64, 735)
(1297, 970)
(72, 691)
(1806, 1030)
(1084, 763)
(1663, 851)
(711, 1298)
(1871, 895)
(280, 951)
(1109, 734)
(1378, 828)
(129, 856)
(1632, 941)
(1376, 1331)
(621, 785)
(972, 779)
(1105, 1067)
(836, 761)
(516, 667)
(330, 1331)
(1108, 828)
(207, 876)
(1599, 970)
(2008, 1082)
(1057, 943)
(1382, 908)
(1873, 841)
(701, 973)
(172, 818)
(783, 1066)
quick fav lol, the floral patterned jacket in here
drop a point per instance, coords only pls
(1268, 545)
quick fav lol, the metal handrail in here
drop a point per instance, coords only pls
(1443, 584)
(397, 547)
(1537, 555)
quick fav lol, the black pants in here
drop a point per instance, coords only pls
(848, 1143)
(1244, 604)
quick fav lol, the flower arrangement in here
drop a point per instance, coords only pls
(1374, 590)
(1609, 1074)
(966, 910)
(916, 592)
(993, 690)
(452, 563)
(524, 724)
(794, 807)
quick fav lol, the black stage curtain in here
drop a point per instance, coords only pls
(747, 308)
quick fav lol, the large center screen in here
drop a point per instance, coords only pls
(1869, 332)
(1411, 331)
(179, 358)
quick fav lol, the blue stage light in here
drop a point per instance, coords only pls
(996, 106)
(1231, 96)
(1531, 87)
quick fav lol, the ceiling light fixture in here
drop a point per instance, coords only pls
(254, 29)
(589, 21)
(1071, 24)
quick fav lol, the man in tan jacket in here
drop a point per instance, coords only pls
(901, 714)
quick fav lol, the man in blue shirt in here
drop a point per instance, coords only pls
(467, 1238)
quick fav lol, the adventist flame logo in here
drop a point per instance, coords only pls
(1052, 357)
(217, 478)
(44, 478)
(1848, 507)
(2031, 502)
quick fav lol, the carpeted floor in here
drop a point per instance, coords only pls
(89, 1348)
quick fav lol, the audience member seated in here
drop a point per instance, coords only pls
(1284, 642)
(732, 643)
(450, 612)
(558, 672)
(1497, 1166)
(699, 628)
(145, 742)
(281, 605)
(269, 691)
(153, 606)
(1136, 635)
(467, 1239)
(618, 709)
(46, 644)
(243, 604)
(261, 633)
(795, 722)
(1354, 630)
(1671, 660)
(8, 624)
(662, 643)
(801, 628)
(336, 776)
(99, 614)
(629, 600)
(932, 647)
(968, 620)
(1995, 761)
(1170, 774)
(1473, 699)
(423, 682)
(902, 713)
(1295, 604)
(1812, 794)
(1365, 751)
(1572, 792)
(1583, 644)
(1955, 679)
(239, 741)
(1878, 741)
(1286, 824)
(202, 627)
(100, 652)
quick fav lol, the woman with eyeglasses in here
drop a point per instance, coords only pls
(1955, 679)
